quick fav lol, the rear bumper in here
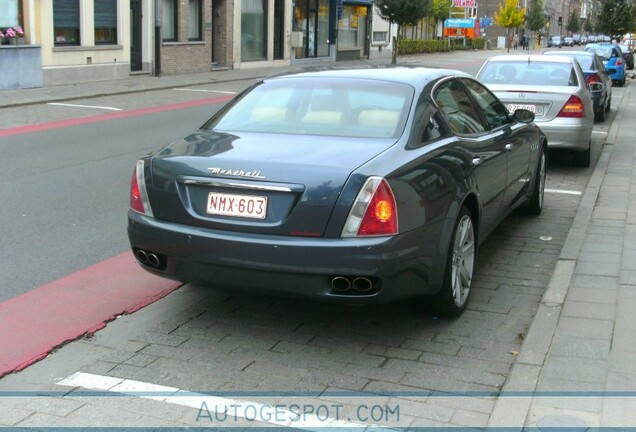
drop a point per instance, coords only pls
(402, 266)
(568, 133)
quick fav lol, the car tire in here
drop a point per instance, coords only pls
(451, 300)
(535, 204)
(609, 104)
(600, 116)
(582, 158)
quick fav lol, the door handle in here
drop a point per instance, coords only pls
(477, 161)
(509, 146)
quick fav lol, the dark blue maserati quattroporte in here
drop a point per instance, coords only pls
(362, 185)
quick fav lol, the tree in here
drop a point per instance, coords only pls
(509, 16)
(440, 10)
(574, 23)
(615, 17)
(401, 12)
(536, 17)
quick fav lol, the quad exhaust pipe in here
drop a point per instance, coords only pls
(358, 284)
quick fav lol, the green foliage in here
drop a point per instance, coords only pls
(478, 43)
(419, 46)
(509, 15)
(613, 17)
(440, 9)
(574, 23)
(536, 17)
(403, 12)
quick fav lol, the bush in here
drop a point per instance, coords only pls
(478, 43)
(419, 46)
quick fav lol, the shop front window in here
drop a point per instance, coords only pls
(253, 29)
(352, 28)
(312, 20)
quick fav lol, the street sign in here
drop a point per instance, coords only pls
(485, 22)
(464, 3)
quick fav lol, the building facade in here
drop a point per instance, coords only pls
(93, 40)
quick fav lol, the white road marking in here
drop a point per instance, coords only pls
(567, 192)
(85, 106)
(212, 405)
(204, 91)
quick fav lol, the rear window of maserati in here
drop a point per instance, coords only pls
(321, 106)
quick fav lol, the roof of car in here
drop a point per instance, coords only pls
(531, 58)
(569, 53)
(415, 76)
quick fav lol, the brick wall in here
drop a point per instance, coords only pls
(185, 56)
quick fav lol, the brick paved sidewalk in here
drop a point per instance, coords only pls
(580, 353)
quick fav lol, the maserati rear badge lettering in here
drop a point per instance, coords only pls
(236, 173)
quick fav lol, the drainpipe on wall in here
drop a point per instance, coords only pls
(157, 38)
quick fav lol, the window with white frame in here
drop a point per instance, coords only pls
(105, 22)
(66, 22)
(9, 14)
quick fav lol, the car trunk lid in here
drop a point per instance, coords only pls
(254, 182)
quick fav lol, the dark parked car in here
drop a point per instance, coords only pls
(628, 54)
(596, 77)
(365, 185)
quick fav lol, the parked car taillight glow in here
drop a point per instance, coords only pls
(592, 78)
(573, 108)
(374, 211)
(138, 195)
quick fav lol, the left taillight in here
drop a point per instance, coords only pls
(138, 195)
(573, 108)
(374, 211)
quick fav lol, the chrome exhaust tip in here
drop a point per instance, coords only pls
(153, 260)
(340, 283)
(142, 256)
(362, 284)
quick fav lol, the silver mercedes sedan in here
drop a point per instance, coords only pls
(554, 88)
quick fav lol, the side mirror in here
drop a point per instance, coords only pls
(596, 86)
(523, 116)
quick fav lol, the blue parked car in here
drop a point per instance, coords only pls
(613, 60)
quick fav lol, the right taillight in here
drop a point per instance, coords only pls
(138, 196)
(573, 108)
(374, 211)
(592, 78)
